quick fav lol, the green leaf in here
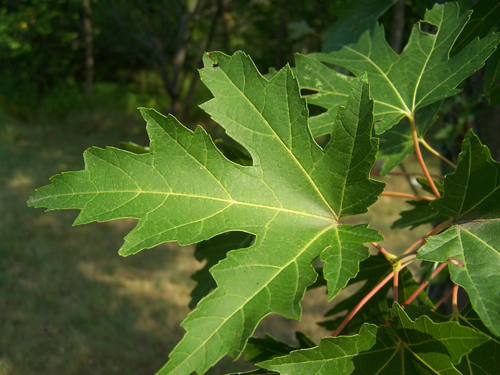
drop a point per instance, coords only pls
(349, 14)
(483, 360)
(292, 198)
(134, 147)
(485, 16)
(472, 198)
(304, 341)
(406, 347)
(259, 350)
(213, 251)
(420, 214)
(421, 75)
(397, 143)
(491, 78)
(331, 90)
(376, 310)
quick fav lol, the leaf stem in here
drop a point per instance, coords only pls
(428, 147)
(387, 254)
(361, 303)
(404, 195)
(421, 241)
(454, 299)
(407, 255)
(424, 284)
(406, 174)
(395, 282)
(419, 156)
(443, 298)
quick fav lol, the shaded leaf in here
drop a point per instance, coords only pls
(258, 350)
(376, 310)
(349, 14)
(483, 360)
(406, 347)
(304, 341)
(491, 78)
(213, 251)
(472, 198)
(420, 214)
(485, 16)
(135, 148)
(421, 75)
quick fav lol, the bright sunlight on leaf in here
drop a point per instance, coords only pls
(291, 199)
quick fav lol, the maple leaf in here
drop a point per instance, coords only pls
(292, 199)
(483, 360)
(472, 199)
(401, 84)
(404, 347)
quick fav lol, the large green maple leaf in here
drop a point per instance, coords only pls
(401, 84)
(292, 199)
(472, 199)
(404, 347)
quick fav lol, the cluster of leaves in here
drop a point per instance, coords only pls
(263, 215)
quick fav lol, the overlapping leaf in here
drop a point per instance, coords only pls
(401, 84)
(472, 199)
(421, 213)
(397, 142)
(406, 347)
(483, 360)
(185, 190)
(486, 14)
(259, 350)
(377, 309)
(213, 251)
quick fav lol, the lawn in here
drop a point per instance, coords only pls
(68, 303)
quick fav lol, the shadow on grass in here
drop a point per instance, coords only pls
(69, 304)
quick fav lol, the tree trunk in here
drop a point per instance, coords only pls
(89, 55)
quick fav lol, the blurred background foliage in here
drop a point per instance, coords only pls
(148, 49)
(72, 73)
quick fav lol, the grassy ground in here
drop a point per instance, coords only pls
(68, 303)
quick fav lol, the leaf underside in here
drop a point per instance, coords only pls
(472, 198)
(401, 84)
(291, 199)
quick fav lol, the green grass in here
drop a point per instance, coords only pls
(69, 304)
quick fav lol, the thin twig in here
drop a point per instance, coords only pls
(443, 298)
(365, 299)
(382, 250)
(361, 303)
(428, 147)
(406, 174)
(424, 284)
(420, 158)
(395, 282)
(404, 195)
(454, 299)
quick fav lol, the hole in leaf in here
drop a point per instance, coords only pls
(428, 28)
(234, 152)
(323, 140)
(315, 110)
(307, 92)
